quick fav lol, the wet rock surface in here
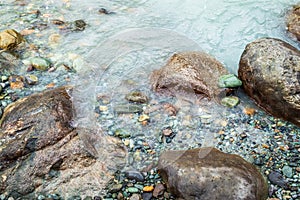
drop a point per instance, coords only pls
(207, 173)
(270, 71)
(42, 153)
(191, 73)
(293, 21)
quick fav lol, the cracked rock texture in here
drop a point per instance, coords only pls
(40, 152)
(270, 71)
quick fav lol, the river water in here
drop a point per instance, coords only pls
(116, 53)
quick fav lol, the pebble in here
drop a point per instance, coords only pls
(10, 39)
(147, 195)
(103, 108)
(120, 196)
(105, 11)
(148, 188)
(4, 78)
(143, 118)
(79, 25)
(158, 190)
(137, 97)
(121, 133)
(16, 82)
(136, 175)
(40, 63)
(135, 197)
(249, 111)
(230, 102)
(115, 188)
(277, 179)
(132, 190)
(167, 132)
(31, 79)
(287, 171)
(229, 81)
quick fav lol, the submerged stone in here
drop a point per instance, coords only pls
(31, 79)
(137, 97)
(39, 63)
(230, 102)
(229, 81)
(189, 73)
(10, 39)
(121, 133)
(79, 25)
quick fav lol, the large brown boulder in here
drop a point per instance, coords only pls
(40, 151)
(293, 21)
(270, 71)
(207, 173)
(189, 72)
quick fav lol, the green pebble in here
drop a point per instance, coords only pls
(133, 190)
(122, 133)
(230, 102)
(4, 78)
(140, 187)
(31, 79)
(287, 171)
(115, 188)
(114, 195)
(229, 81)
(39, 63)
(125, 194)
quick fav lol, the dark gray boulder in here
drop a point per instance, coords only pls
(207, 173)
(270, 71)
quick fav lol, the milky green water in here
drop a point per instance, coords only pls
(142, 35)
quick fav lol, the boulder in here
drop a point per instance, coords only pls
(270, 71)
(293, 21)
(207, 173)
(189, 73)
(41, 153)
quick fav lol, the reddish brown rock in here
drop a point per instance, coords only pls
(189, 73)
(207, 173)
(293, 21)
(270, 71)
(40, 151)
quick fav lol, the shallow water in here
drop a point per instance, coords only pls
(116, 53)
